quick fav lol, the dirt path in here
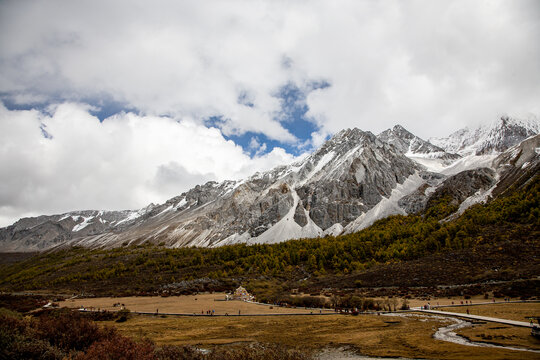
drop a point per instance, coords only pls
(477, 317)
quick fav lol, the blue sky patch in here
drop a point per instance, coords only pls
(108, 107)
(294, 109)
(104, 107)
(292, 117)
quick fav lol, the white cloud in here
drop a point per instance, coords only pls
(408, 62)
(431, 66)
(126, 161)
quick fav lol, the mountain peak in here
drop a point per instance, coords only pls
(345, 140)
(350, 134)
(492, 138)
(353, 179)
(408, 143)
(401, 129)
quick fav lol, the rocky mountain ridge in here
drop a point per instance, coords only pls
(486, 139)
(354, 179)
(412, 145)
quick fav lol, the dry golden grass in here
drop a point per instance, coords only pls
(189, 304)
(510, 311)
(445, 301)
(501, 335)
(370, 335)
(434, 301)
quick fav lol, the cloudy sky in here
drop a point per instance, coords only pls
(113, 105)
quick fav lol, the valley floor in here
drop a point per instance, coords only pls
(371, 335)
(188, 304)
(392, 335)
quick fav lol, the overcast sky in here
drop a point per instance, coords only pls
(113, 105)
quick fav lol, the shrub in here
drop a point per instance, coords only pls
(405, 305)
(67, 330)
(21, 303)
(123, 315)
(19, 341)
(119, 348)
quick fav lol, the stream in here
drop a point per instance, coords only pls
(448, 333)
(445, 333)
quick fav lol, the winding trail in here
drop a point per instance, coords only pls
(448, 333)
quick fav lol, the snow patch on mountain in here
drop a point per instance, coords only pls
(85, 222)
(492, 138)
(387, 206)
(481, 196)
(181, 203)
(322, 162)
(287, 228)
(430, 164)
(468, 163)
(235, 238)
(135, 214)
(334, 230)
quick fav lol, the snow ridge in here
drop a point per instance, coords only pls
(488, 139)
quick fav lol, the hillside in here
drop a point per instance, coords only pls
(497, 241)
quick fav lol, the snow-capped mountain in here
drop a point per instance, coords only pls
(489, 139)
(413, 146)
(354, 179)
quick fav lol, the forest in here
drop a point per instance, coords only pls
(513, 217)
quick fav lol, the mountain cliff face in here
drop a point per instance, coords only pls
(354, 179)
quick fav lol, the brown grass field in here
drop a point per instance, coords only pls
(510, 311)
(499, 334)
(188, 304)
(194, 304)
(369, 335)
